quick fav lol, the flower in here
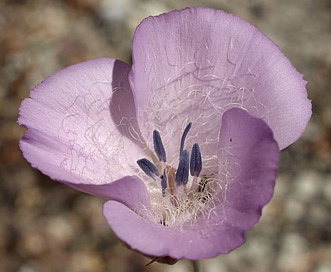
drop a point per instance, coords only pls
(184, 144)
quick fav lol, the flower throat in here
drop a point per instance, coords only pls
(184, 192)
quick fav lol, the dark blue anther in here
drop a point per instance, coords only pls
(182, 141)
(183, 168)
(149, 168)
(158, 146)
(195, 162)
(164, 182)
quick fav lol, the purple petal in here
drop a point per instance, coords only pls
(193, 64)
(248, 157)
(130, 191)
(248, 169)
(157, 240)
(81, 124)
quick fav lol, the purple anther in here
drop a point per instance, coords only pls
(195, 162)
(158, 146)
(149, 168)
(182, 142)
(164, 182)
(183, 168)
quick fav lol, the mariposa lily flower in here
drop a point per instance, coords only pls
(184, 144)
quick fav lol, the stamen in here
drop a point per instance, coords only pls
(183, 168)
(184, 198)
(158, 146)
(148, 167)
(195, 162)
(164, 183)
(186, 130)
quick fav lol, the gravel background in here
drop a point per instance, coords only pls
(46, 226)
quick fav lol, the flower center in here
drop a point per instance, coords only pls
(178, 195)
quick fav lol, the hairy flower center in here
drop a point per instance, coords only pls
(180, 195)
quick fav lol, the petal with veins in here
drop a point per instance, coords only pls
(81, 123)
(192, 65)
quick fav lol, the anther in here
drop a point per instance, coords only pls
(182, 141)
(183, 168)
(149, 168)
(164, 183)
(195, 162)
(158, 146)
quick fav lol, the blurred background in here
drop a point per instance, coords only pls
(46, 226)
